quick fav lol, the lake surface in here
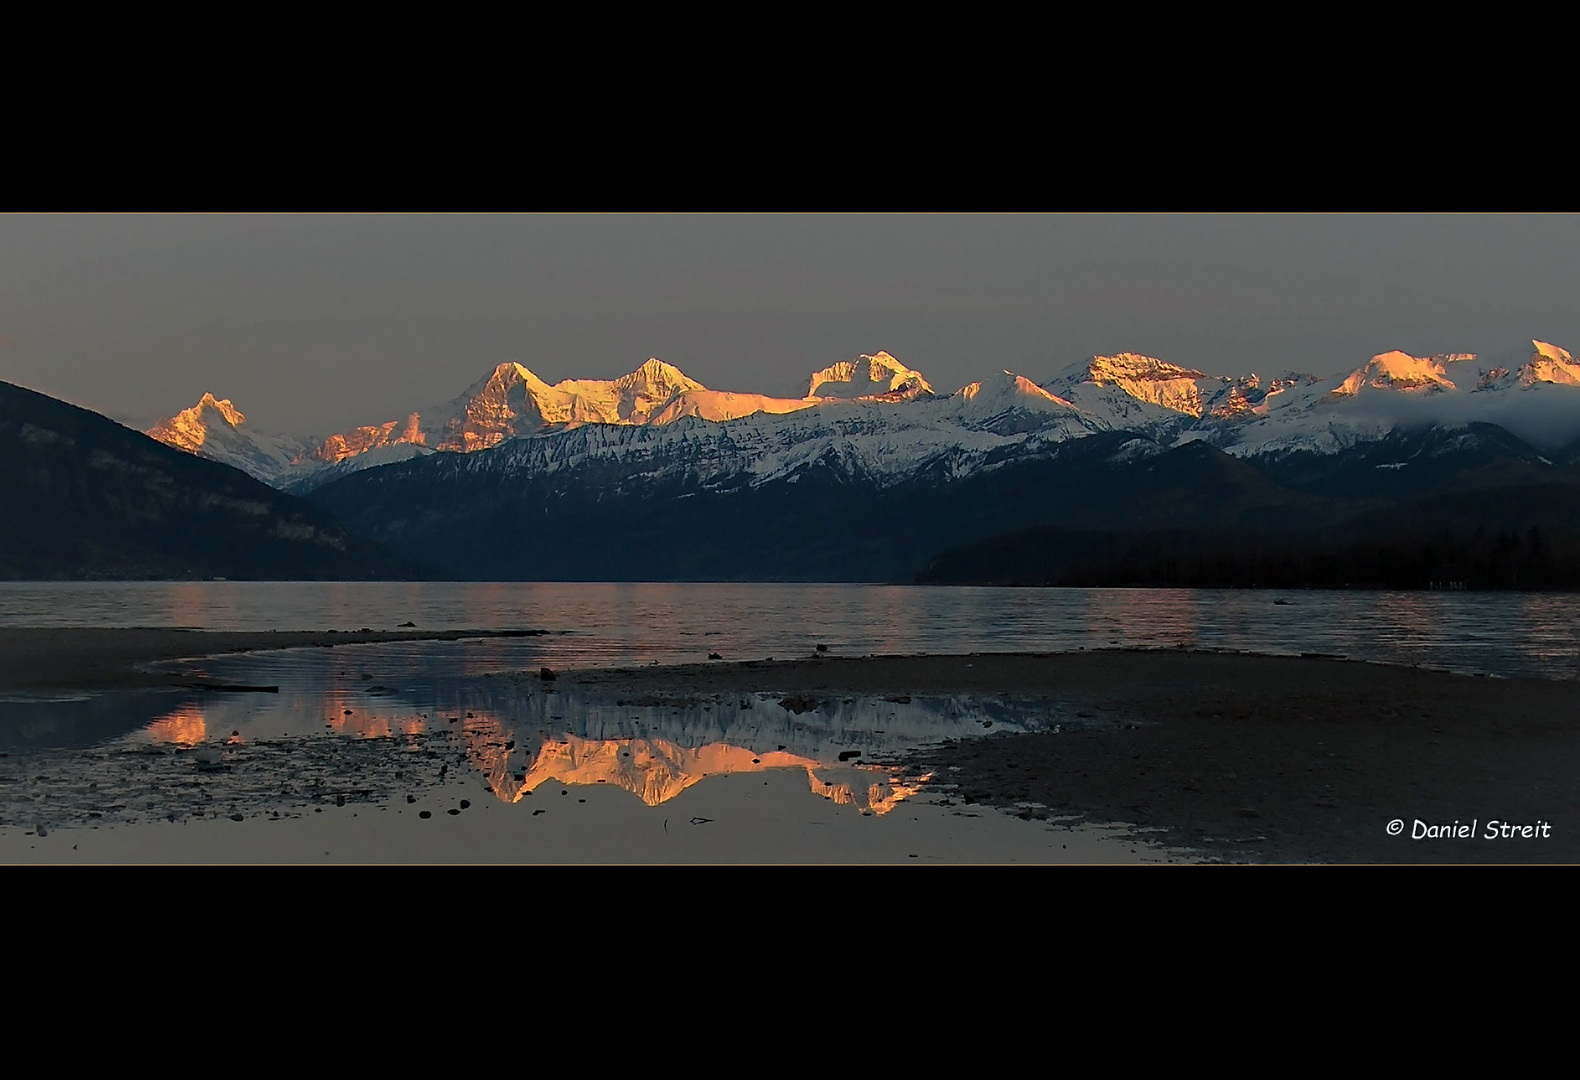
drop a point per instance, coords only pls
(433, 751)
(603, 624)
(429, 752)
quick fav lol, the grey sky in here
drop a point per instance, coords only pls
(314, 324)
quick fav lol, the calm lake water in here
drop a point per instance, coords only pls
(417, 732)
(1510, 634)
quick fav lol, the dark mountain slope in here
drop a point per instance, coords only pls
(83, 497)
(1407, 464)
(825, 522)
(1524, 536)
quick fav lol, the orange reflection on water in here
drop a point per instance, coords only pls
(656, 770)
(184, 726)
(348, 718)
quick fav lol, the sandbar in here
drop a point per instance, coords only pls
(1236, 758)
(1242, 758)
(38, 660)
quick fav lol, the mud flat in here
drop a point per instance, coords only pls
(1241, 758)
(765, 819)
(36, 660)
(298, 788)
(1204, 757)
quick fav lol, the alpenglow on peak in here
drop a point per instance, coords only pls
(1398, 370)
(878, 375)
(188, 429)
(217, 430)
(1150, 380)
(877, 410)
(1550, 364)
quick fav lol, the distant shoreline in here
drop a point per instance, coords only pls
(1448, 585)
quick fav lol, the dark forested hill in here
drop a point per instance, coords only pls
(1472, 505)
(83, 497)
(821, 523)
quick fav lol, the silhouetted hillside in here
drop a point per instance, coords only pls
(83, 497)
(1396, 554)
(820, 524)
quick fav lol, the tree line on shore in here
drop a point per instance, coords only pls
(1535, 558)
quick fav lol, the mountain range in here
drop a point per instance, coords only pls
(875, 475)
(511, 402)
(887, 419)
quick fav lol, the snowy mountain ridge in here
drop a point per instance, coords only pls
(216, 429)
(866, 437)
(878, 418)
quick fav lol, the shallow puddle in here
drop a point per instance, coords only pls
(405, 733)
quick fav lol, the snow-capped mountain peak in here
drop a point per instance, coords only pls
(1005, 388)
(1132, 390)
(1550, 364)
(189, 429)
(1148, 379)
(657, 378)
(878, 375)
(214, 428)
(1552, 352)
(630, 399)
(1400, 371)
(882, 418)
(1135, 367)
(232, 415)
(1008, 404)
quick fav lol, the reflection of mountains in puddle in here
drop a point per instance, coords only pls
(820, 729)
(656, 770)
(521, 736)
(521, 739)
(185, 725)
(45, 725)
(319, 685)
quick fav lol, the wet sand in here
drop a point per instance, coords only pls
(1237, 758)
(36, 660)
(766, 818)
(1242, 758)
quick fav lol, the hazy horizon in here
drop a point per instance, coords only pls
(316, 323)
